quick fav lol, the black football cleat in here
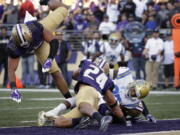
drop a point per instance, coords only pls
(84, 123)
(43, 2)
(105, 121)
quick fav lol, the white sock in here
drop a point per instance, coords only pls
(58, 109)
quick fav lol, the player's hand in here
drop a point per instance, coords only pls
(47, 65)
(16, 95)
(151, 118)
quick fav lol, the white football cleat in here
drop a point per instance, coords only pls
(41, 119)
(50, 115)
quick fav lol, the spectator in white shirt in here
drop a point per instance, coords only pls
(106, 27)
(140, 7)
(168, 60)
(112, 11)
(153, 50)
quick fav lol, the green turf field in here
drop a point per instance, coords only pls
(25, 113)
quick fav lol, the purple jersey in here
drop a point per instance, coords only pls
(37, 40)
(94, 76)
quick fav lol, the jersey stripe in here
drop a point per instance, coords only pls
(119, 76)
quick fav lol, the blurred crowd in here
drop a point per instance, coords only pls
(103, 24)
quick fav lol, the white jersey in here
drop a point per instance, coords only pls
(112, 55)
(122, 80)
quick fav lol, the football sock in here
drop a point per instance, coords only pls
(145, 110)
(61, 107)
(97, 116)
(67, 95)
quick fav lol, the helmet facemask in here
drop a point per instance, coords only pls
(138, 89)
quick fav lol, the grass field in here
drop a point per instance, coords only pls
(162, 106)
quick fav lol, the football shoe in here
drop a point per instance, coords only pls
(84, 123)
(41, 119)
(105, 121)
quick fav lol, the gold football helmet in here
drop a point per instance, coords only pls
(21, 35)
(138, 89)
(114, 39)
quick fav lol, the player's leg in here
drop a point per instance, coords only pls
(87, 102)
(70, 119)
(42, 54)
(68, 103)
(57, 16)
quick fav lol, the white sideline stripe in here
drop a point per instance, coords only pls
(170, 132)
(36, 99)
(72, 91)
(26, 108)
(30, 121)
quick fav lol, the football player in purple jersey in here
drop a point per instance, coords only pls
(92, 82)
(36, 37)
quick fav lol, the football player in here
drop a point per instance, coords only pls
(130, 93)
(36, 36)
(92, 81)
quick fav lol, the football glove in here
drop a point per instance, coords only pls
(47, 65)
(151, 118)
(16, 95)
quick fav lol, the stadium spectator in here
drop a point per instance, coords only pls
(129, 8)
(4, 39)
(28, 70)
(122, 22)
(26, 6)
(162, 15)
(1, 9)
(153, 50)
(10, 14)
(37, 37)
(91, 45)
(63, 55)
(151, 24)
(112, 11)
(43, 78)
(168, 60)
(80, 23)
(138, 59)
(106, 27)
(141, 6)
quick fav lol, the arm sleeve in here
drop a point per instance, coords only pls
(54, 45)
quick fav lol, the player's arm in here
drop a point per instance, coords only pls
(146, 113)
(116, 110)
(12, 64)
(76, 74)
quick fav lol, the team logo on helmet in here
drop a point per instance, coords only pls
(21, 35)
(138, 89)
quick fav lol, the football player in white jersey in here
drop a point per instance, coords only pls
(113, 51)
(129, 93)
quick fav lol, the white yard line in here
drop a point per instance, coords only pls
(36, 99)
(30, 121)
(72, 91)
(25, 108)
